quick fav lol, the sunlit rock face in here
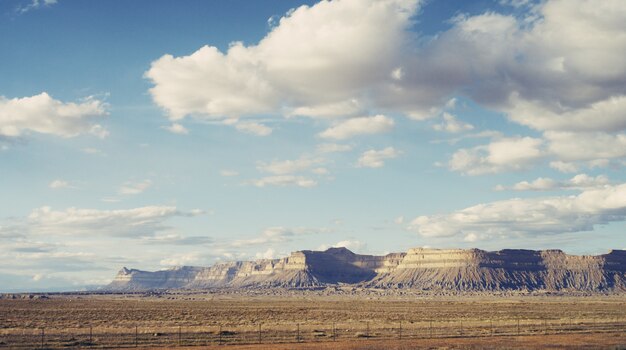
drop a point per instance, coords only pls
(457, 270)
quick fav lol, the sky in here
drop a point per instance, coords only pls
(152, 134)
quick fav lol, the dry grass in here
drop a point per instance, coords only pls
(352, 321)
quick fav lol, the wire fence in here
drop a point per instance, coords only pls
(136, 336)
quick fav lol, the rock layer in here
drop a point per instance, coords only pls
(420, 268)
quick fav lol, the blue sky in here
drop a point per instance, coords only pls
(152, 134)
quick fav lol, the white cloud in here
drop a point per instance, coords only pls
(314, 62)
(253, 128)
(177, 128)
(142, 221)
(276, 234)
(376, 159)
(500, 155)
(586, 146)
(578, 182)
(347, 108)
(536, 216)
(320, 171)
(268, 254)
(558, 67)
(353, 245)
(605, 115)
(43, 114)
(229, 173)
(186, 259)
(564, 167)
(36, 4)
(57, 184)
(177, 239)
(94, 151)
(333, 148)
(451, 124)
(99, 131)
(359, 126)
(284, 180)
(283, 167)
(131, 188)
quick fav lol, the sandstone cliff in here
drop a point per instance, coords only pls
(425, 269)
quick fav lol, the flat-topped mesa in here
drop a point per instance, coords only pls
(133, 279)
(426, 258)
(455, 270)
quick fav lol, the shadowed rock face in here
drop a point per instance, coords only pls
(426, 269)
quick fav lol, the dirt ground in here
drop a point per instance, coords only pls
(319, 322)
(615, 341)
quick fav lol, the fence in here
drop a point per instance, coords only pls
(108, 337)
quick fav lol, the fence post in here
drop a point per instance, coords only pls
(90, 335)
(518, 327)
(136, 336)
(400, 330)
(179, 335)
(43, 332)
(367, 332)
(334, 332)
(545, 326)
(431, 328)
(298, 334)
(220, 335)
(461, 327)
(259, 333)
(491, 326)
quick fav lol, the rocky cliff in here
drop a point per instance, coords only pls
(419, 268)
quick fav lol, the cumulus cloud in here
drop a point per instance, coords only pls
(503, 154)
(451, 124)
(358, 126)
(131, 188)
(43, 114)
(578, 182)
(316, 61)
(177, 128)
(557, 67)
(295, 172)
(348, 108)
(534, 216)
(376, 159)
(253, 128)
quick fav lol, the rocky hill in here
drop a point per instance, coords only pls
(455, 270)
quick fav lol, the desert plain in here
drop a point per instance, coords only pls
(312, 320)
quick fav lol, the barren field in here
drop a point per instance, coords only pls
(330, 321)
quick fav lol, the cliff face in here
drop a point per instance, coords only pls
(419, 268)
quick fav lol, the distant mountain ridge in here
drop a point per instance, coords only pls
(457, 270)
